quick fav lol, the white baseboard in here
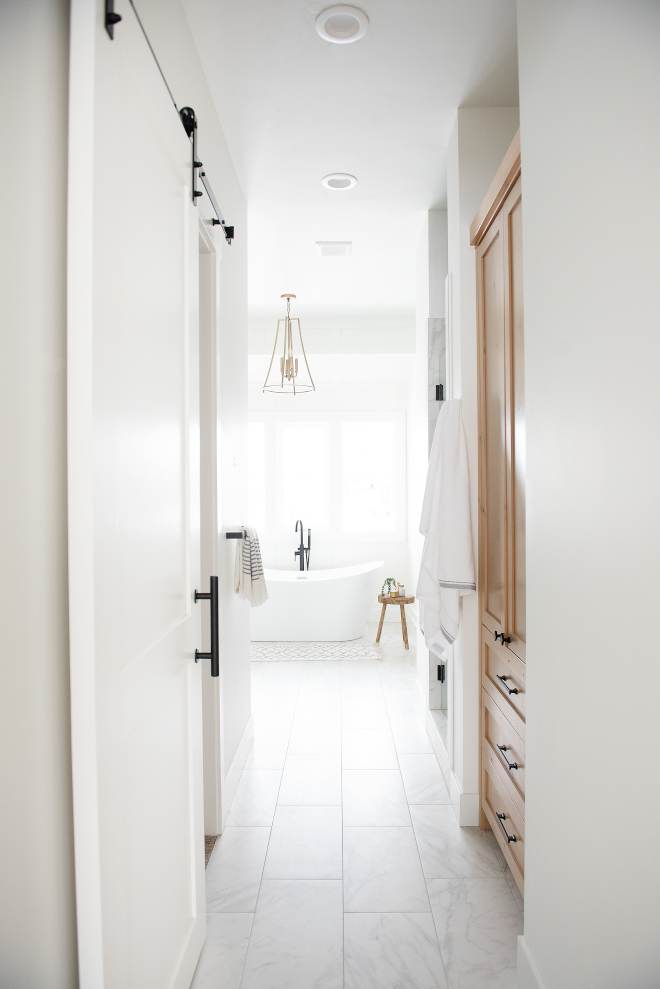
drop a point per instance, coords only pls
(234, 775)
(466, 805)
(438, 747)
(420, 699)
(528, 974)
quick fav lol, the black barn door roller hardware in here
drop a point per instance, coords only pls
(214, 655)
(187, 117)
(189, 121)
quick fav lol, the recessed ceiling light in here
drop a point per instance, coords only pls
(334, 248)
(339, 181)
(342, 24)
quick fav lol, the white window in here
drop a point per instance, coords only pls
(303, 475)
(257, 475)
(344, 475)
(368, 492)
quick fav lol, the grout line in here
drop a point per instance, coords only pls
(270, 833)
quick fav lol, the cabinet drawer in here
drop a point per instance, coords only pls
(504, 678)
(496, 801)
(504, 749)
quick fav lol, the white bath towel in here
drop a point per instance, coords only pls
(249, 580)
(447, 569)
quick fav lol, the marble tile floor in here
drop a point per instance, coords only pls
(342, 865)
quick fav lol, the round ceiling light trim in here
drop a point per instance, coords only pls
(339, 181)
(342, 24)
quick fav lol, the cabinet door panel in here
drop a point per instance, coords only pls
(490, 260)
(516, 431)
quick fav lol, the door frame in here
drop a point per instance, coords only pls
(210, 257)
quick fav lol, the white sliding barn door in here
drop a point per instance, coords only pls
(133, 516)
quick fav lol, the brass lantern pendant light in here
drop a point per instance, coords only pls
(288, 381)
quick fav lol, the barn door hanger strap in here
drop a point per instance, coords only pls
(111, 18)
(189, 121)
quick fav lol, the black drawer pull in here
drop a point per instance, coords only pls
(509, 765)
(503, 681)
(501, 818)
(500, 635)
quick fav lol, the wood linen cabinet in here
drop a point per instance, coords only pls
(496, 233)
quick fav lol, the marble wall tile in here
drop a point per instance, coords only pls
(223, 955)
(449, 851)
(382, 871)
(256, 796)
(410, 735)
(391, 951)
(478, 923)
(374, 798)
(437, 369)
(423, 780)
(321, 737)
(368, 748)
(268, 749)
(234, 870)
(296, 940)
(305, 843)
(311, 780)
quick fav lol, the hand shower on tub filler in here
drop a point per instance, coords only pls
(303, 551)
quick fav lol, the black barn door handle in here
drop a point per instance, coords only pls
(214, 655)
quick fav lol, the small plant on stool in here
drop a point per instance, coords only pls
(388, 583)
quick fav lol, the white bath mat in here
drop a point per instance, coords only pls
(264, 652)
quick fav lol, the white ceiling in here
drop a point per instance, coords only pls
(295, 107)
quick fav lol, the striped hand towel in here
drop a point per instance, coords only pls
(249, 580)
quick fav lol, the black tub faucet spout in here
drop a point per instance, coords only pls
(303, 551)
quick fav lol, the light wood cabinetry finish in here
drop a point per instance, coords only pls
(497, 236)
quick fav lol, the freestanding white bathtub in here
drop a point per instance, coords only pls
(317, 605)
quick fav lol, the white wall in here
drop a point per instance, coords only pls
(590, 132)
(478, 143)
(374, 382)
(37, 906)
(387, 333)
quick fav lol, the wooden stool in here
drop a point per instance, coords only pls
(401, 601)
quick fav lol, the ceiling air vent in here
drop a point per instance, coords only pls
(334, 249)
